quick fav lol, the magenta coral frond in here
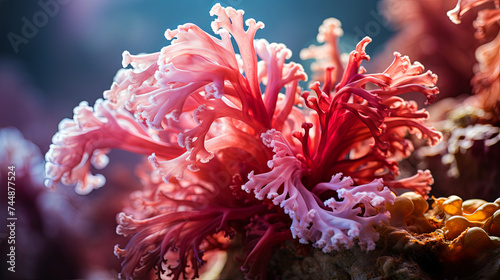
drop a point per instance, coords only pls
(230, 152)
(328, 229)
(85, 140)
(373, 115)
(173, 241)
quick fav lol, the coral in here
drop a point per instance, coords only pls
(486, 80)
(457, 215)
(462, 233)
(408, 211)
(87, 138)
(328, 54)
(470, 126)
(330, 228)
(239, 154)
(54, 235)
(460, 242)
(451, 215)
(424, 32)
(383, 117)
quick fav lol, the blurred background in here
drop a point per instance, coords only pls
(56, 53)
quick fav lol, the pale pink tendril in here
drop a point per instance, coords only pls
(328, 228)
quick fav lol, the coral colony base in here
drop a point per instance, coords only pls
(243, 166)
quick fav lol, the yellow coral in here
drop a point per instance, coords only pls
(408, 212)
(455, 226)
(466, 217)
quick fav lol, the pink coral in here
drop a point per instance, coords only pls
(197, 109)
(86, 139)
(328, 54)
(424, 33)
(328, 228)
(374, 116)
(465, 5)
(486, 79)
(181, 231)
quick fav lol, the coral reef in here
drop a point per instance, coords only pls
(241, 164)
(228, 159)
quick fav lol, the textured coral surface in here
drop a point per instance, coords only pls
(251, 169)
(323, 164)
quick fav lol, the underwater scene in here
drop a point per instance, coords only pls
(250, 139)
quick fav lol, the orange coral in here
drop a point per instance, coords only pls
(458, 216)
